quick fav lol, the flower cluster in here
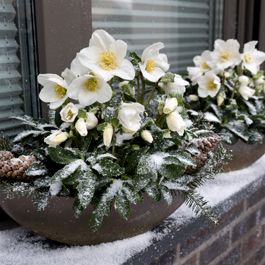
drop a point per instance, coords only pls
(88, 83)
(227, 85)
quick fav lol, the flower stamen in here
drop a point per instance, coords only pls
(211, 85)
(91, 85)
(225, 56)
(60, 91)
(249, 57)
(205, 66)
(107, 60)
(150, 66)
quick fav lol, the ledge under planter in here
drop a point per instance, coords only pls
(57, 221)
(243, 155)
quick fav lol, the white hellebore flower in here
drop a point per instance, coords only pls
(54, 90)
(80, 126)
(244, 90)
(129, 116)
(76, 70)
(193, 97)
(170, 105)
(209, 84)
(56, 138)
(69, 112)
(90, 88)
(105, 56)
(147, 136)
(91, 120)
(226, 54)
(107, 135)
(154, 64)
(175, 123)
(203, 64)
(252, 58)
(178, 85)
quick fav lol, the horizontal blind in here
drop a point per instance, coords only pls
(185, 27)
(11, 102)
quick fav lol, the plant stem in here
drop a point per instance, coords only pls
(151, 95)
(143, 87)
(234, 90)
(138, 88)
(163, 121)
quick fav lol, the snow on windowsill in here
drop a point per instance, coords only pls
(22, 247)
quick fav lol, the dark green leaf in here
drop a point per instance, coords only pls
(171, 171)
(166, 194)
(129, 98)
(122, 206)
(36, 169)
(135, 56)
(78, 209)
(87, 142)
(125, 152)
(146, 166)
(61, 155)
(86, 188)
(134, 159)
(102, 209)
(65, 172)
(107, 168)
(153, 191)
(73, 178)
(158, 139)
(238, 128)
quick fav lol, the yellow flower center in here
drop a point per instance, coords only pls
(107, 60)
(225, 56)
(150, 66)
(91, 85)
(205, 66)
(60, 91)
(249, 57)
(70, 114)
(211, 85)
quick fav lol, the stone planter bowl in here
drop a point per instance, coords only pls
(57, 221)
(244, 155)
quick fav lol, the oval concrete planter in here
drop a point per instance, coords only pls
(57, 221)
(244, 155)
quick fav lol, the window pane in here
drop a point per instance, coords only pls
(17, 64)
(185, 27)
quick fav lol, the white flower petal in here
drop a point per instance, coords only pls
(249, 46)
(119, 48)
(101, 39)
(57, 104)
(153, 49)
(104, 93)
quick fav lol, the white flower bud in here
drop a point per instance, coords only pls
(69, 112)
(147, 136)
(130, 91)
(170, 105)
(91, 120)
(193, 97)
(128, 131)
(175, 123)
(243, 80)
(167, 134)
(260, 81)
(220, 100)
(107, 135)
(246, 92)
(56, 138)
(227, 75)
(80, 126)
(60, 138)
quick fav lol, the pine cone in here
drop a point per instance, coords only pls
(16, 167)
(205, 145)
(5, 155)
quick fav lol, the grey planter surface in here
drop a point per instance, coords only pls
(57, 221)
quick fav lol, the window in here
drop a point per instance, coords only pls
(185, 27)
(18, 88)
